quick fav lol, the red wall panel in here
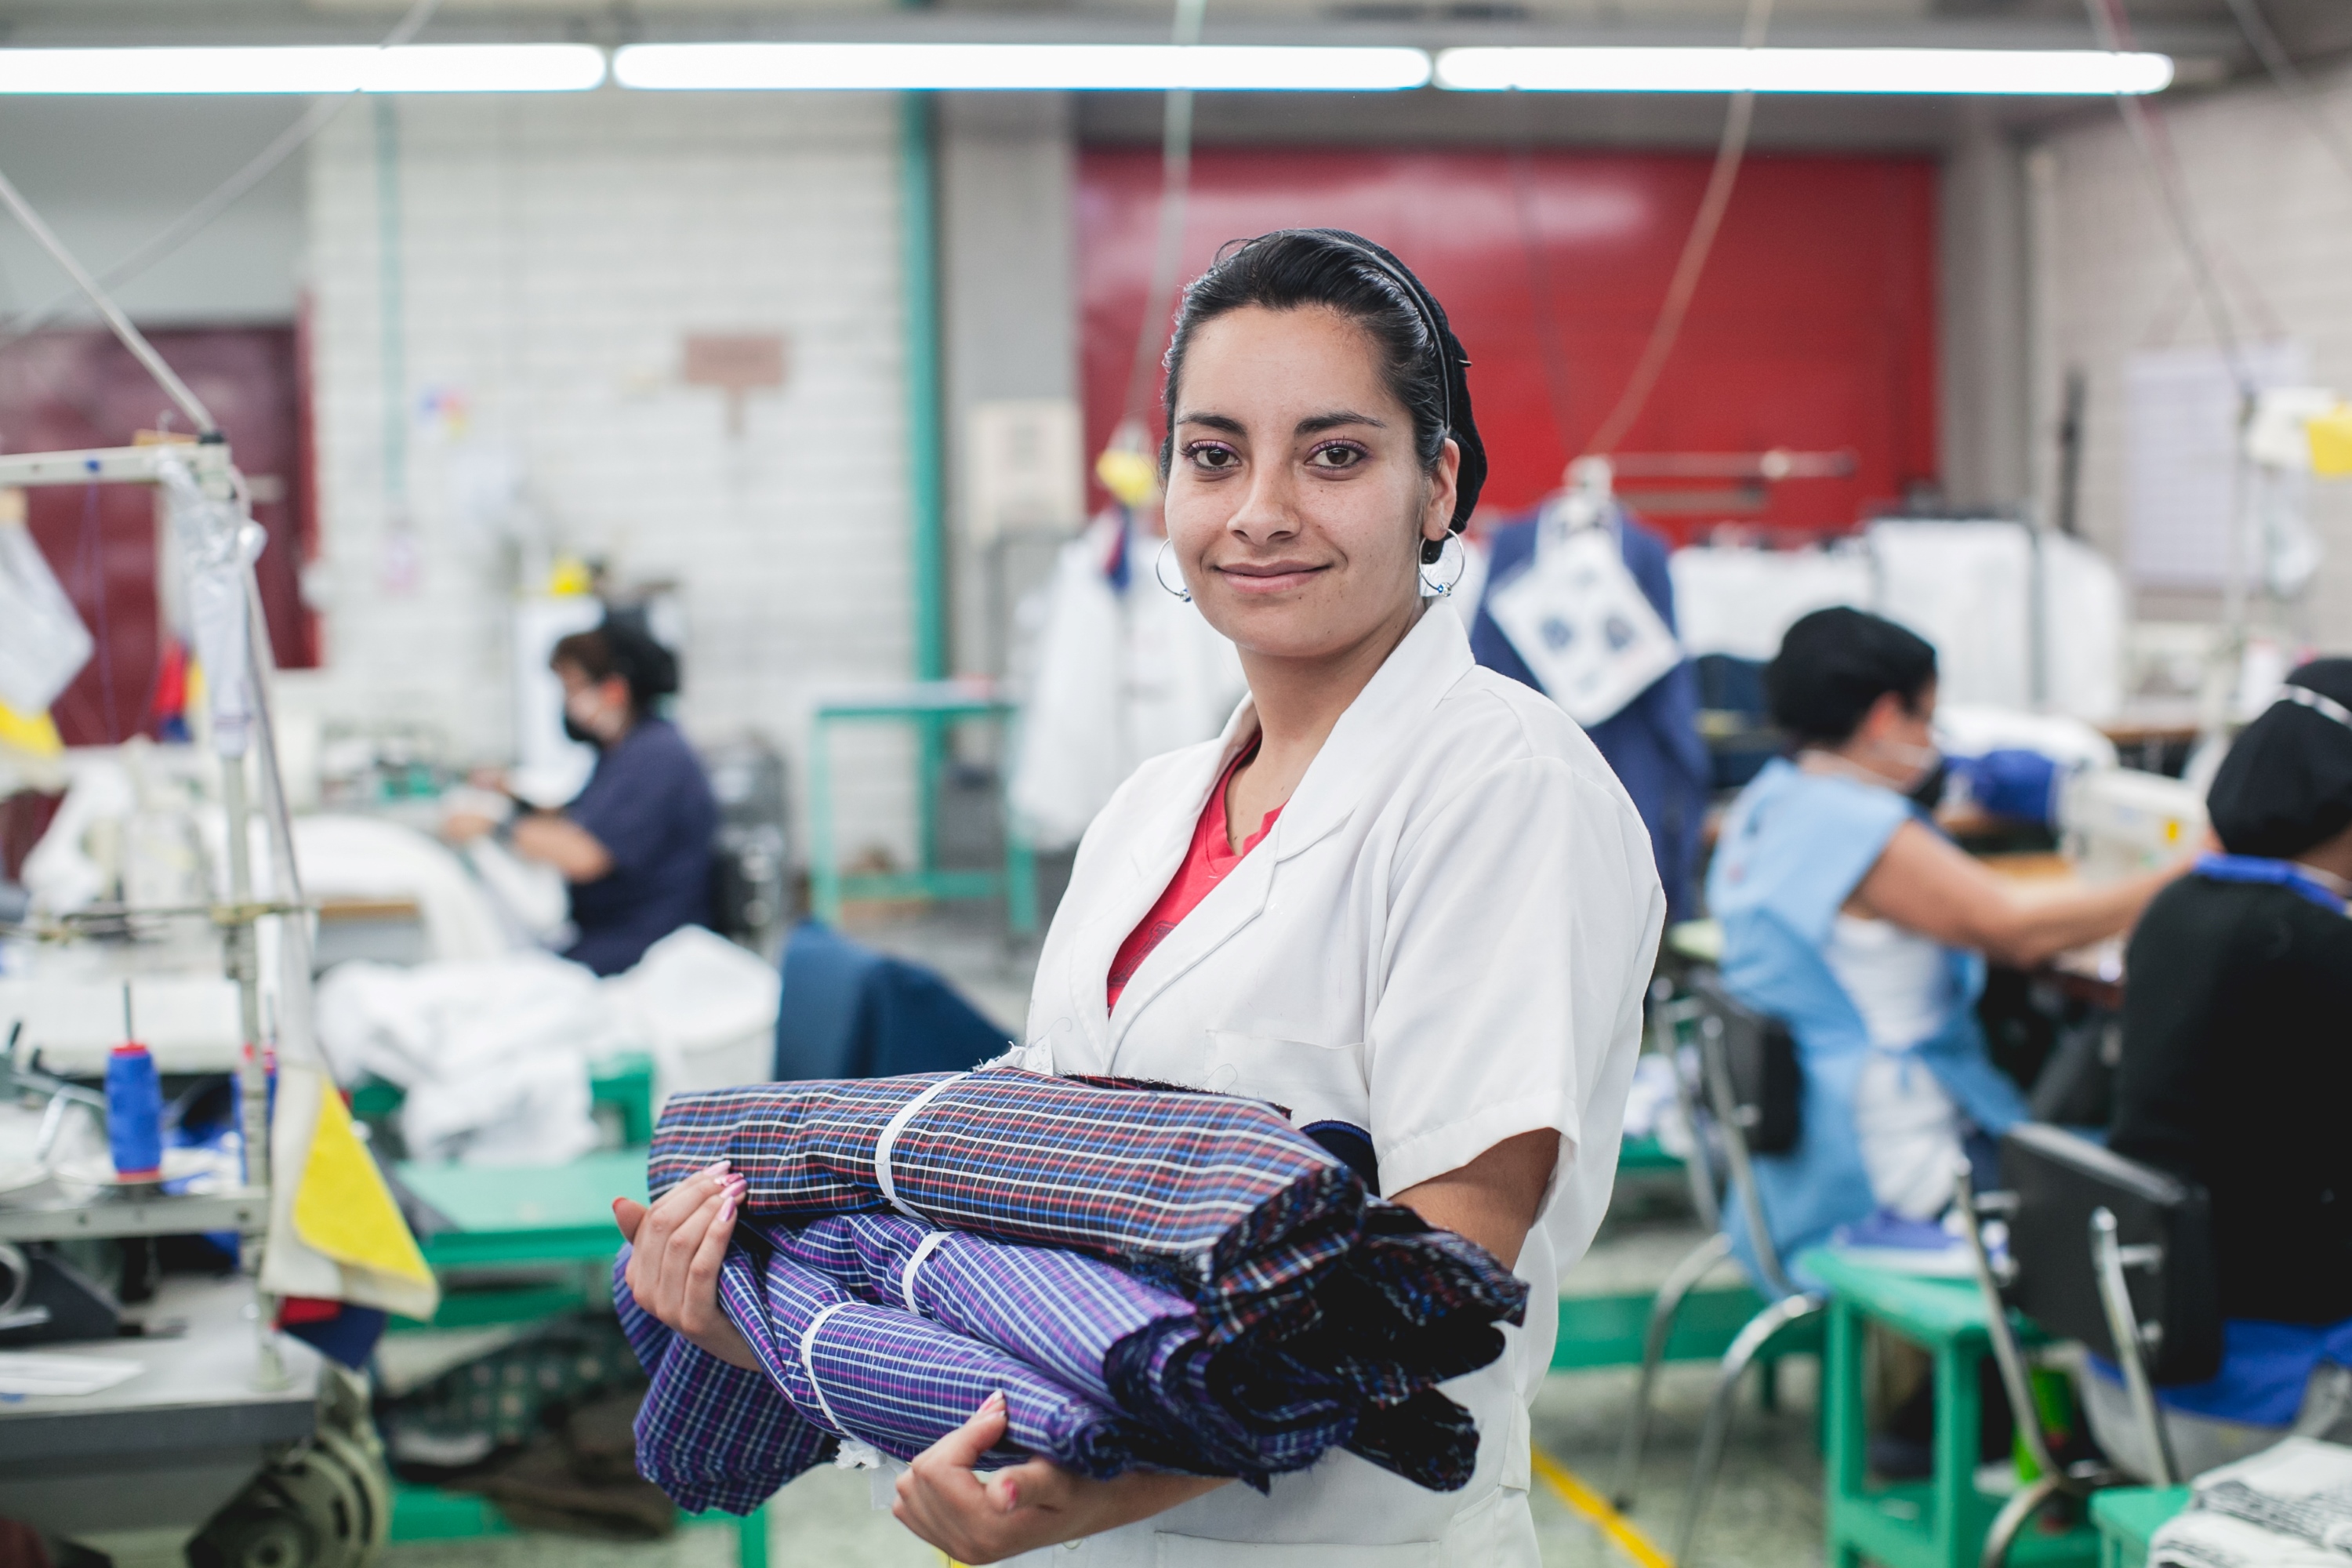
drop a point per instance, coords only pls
(1814, 328)
(65, 390)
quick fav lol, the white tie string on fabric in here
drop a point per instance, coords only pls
(808, 1364)
(897, 1125)
(923, 1249)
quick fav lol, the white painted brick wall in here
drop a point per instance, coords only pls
(554, 251)
(2278, 210)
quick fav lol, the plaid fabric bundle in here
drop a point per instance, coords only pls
(1253, 1308)
(710, 1435)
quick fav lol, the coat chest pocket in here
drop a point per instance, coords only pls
(1316, 1083)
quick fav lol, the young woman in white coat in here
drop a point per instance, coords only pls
(1401, 896)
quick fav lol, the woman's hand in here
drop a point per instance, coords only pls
(975, 1519)
(676, 1248)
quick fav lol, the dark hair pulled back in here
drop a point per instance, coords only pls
(1834, 664)
(624, 646)
(1421, 358)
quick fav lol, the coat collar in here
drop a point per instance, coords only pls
(1391, 712)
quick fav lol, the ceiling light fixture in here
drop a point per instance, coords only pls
(2006, 72)
(305, 68)
(1038, 67)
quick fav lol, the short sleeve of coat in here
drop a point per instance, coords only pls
(1525, 919)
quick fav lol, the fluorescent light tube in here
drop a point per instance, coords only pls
(1108, 68)
(305, 68)
(2033, 72)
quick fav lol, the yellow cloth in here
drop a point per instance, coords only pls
(1132, 477)
(343, 1208)
(37, 734)
(2331, 441)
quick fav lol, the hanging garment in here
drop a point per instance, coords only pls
(1121, 670)
(1652, 743)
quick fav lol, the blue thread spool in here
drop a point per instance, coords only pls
(135, 1107)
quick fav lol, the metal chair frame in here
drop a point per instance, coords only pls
(2110, 1260)
(1789, 1306)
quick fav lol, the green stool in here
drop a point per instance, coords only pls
(1940, 1522)
(2127, 1515)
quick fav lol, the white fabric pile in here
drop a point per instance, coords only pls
(2287, 1507)
(494, 1053)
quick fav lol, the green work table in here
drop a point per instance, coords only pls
(499, 1219)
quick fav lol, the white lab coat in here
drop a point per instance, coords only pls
(1445, 942)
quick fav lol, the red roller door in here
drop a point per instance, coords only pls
(1814, 329)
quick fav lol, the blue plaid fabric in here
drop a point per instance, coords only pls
(1170, 1279)
(710, 1435)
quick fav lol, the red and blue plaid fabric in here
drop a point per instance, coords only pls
(710, 1435)
(1259, 1308)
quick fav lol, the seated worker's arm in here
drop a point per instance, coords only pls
(558, 841)
(548, 837)
(1923, 883)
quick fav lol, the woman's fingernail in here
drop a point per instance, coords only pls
(1011, 1496)
(727, 1211)
(994, 1401)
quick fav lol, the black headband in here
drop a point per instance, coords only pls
(1459, 426)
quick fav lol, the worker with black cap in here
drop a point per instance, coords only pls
(635, 845)
(2235, 1072)
(2249, 958)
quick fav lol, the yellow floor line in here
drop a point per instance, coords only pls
(1594, 1506)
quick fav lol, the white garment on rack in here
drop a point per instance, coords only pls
(1910, 1129)
(1116, 677)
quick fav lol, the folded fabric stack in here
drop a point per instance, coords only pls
(2287, 1507)
(1154, 1277)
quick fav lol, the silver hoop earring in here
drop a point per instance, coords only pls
(1437, 590)
(1160, 576)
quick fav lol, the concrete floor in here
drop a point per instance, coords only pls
(1766, 1512)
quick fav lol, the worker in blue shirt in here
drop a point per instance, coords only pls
(635, 845)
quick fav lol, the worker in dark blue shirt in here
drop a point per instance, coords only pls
(634, 843)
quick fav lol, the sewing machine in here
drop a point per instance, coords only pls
(2118, 822)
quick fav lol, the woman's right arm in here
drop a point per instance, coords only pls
(1923, 883)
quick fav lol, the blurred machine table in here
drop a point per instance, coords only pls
(500, 1219)
(164, 1448)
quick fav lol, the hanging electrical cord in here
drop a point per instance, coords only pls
(197, 218)
(2153, 144)
(130, 337)
(2290, 80)
(1175, 185)
(1728, 153)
